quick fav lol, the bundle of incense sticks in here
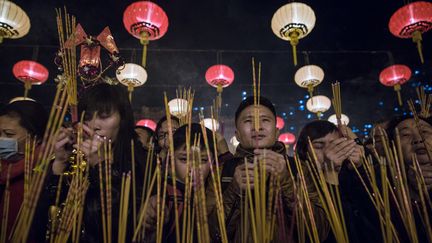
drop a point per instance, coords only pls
(66, 29)
(186, 94)
(123, 210)
(425, 102)
(25, 218)
(420, 129)
(337, 102)
(329, 196)
(5, 213)
(105, 191)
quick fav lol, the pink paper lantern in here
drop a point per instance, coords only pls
(279, 123)
(219, 76)
(287, 138)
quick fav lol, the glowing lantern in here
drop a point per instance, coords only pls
(318, 104)
(394, 76)
(147, 123)
(146, 21)
(178, 107)
(410, 21)
(309, 76)
(344, 119)
(131, 75)
(287, 139)
(14, 22)
(292, 22)
(219, 76)
(31, 73)
(279, 123)
(211, 124)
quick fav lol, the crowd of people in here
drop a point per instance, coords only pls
(323, 150)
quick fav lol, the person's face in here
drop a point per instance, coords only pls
(320, 145)
(411, 141)
(163, 133)
(248, 136)
(10, 128)
(106, 125)
(143, 135)
(202, 166)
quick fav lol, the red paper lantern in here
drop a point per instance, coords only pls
(30, 73)
(410, 21)
(146, 21)
(287, 138)
(219, 76)
(147, 123)
(394, 76)
(279, 123)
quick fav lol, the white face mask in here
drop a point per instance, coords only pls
(8, 148)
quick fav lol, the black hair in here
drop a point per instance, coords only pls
(312, 131)
(32, 116)
(393, 123)
(158, 127)
(250, 101)
(179, 137)
(162, 120)
(107, 99)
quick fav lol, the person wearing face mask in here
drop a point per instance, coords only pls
(18, 120)
(108, 117)
(416, 141)
(260, 144)
(336, 147)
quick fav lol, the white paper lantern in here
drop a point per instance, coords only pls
(14, 22)
(309, 76)
(178, 107)
(131, 75)
(344, 119)
(292, 22)
(211, 124)
(318, 104)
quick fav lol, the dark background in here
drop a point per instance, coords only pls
(350, 41)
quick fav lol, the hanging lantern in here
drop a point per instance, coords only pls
(219, 76)
(318, 104)
(14, 22)
(131, 75)
(309, 76)
(146, 21)
(344, 119)
(394, 76)
(292, 22)
(178, 107)
(147, 123)
(287, 138)
(279, 123)
(30, 73)
(410, 21)
(211, 124)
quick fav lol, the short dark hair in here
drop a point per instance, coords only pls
(179, 137)
(32, 116)
(312, 130)
(250, 101)
(393, 123)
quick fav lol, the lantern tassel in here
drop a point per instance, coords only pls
(27, 87)
(130, 90)
(144, 41)
(219, 98)
(397, 88)
(294, 41)
(417, 38)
